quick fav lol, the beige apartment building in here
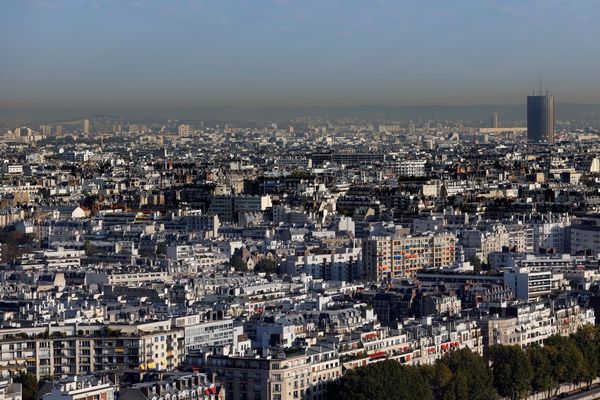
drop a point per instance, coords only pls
(279, 377)
(403, 255)
(531, 323)
(88, 349)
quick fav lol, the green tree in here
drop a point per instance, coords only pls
(439, 377)
(511, 370)
(89, 248)
(386, 380)
(267, 265)
(568, 363)
(161, 248)
(476, 263)
(15, 242)
(238, 263)
(471, 377)
(587, 339)
(29, 385)
(543, 378)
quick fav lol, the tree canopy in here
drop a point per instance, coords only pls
(386, 380)
(511, 370)
(29, 385)
(267, 265)
(507, 371)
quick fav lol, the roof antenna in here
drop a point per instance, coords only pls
(540, 84)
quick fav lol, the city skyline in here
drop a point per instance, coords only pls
(299, 200)
(288, 53)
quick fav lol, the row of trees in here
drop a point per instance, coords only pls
(562, 360)
(461, 374)
(507, 371)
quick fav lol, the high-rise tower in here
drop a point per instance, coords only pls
(85, 126)
(494, 123)
(540, 119)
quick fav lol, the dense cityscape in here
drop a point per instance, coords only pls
(299, 200)
(183, 259)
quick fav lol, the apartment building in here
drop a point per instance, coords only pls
(132, 278)
(226, 207)
(339, 265)
(81, 388)
(208, 224)
(84, 349)
(417, 343)
(403, 255)
(409, 168)
(551, 232)
(506, 260)
(482, 243)
(195, 386)
(300, 375)
(200, 333)
(530, 282)
(585, 236)
(525, 324)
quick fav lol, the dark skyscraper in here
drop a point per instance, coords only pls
(540, 119)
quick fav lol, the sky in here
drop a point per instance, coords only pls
(66, 53)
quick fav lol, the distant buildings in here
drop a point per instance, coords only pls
(266, 262)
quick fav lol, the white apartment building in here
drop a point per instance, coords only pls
(475, 241)
(421, 343)
(530, 283)
(525, 324)
(12, 169)
(409, 168)
(342, 265)
(551, 233)
(200, 333)
(127, 278)
(180, 253)
(227, 206)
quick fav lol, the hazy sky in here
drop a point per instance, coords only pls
(288, 52)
